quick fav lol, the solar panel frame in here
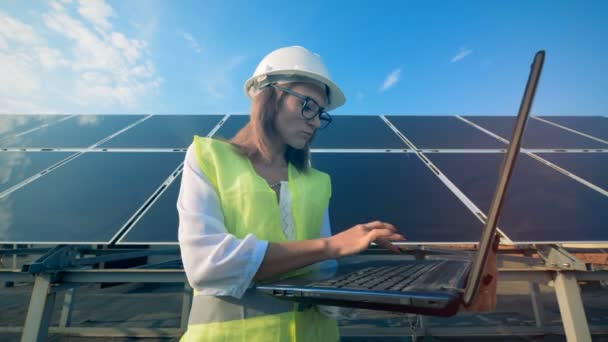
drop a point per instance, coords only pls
(231, 126)
(369, 204)
(596, 126)
(442, 132)
(16, 166)
(80, 131)
(524, 205)
(158, 218)
(357, 132)
(165, 131)
(590, 166)
(364, 150)
(13, 124)
(538, 135)
(93, 203)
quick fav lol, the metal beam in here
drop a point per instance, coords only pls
(15, 276)
(123, 276)
(537, 305)
(464, 331)
(571, 308)
(36, 321)
(119, 332)
(66, 310)
(186, 304)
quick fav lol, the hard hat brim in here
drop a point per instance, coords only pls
(336, 96)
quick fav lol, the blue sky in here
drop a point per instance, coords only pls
(390, 57)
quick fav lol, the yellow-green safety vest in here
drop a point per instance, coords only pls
(250, 206)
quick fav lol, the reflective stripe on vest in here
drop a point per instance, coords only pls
(250, 206)
(209, 309)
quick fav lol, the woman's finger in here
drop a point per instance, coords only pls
(380, 225)
(397, 237)
(388, 245)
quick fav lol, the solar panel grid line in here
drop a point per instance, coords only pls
(34, 150)
(567, 150)
(569, 174)
(570, 129)
(490, 133)
(120, 131)
(357, 150)
(461, 150)
(139, 213)
(138, 150)
(38, 175)
(399, 134)
(218, 125)
(544, 161)
(36, 128)
(479, 214)
(63, 162)
(93, 150)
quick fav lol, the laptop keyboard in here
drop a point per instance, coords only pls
(385, 278)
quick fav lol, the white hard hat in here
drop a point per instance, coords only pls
(294, 64)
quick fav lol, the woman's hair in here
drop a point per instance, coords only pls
(253, 140)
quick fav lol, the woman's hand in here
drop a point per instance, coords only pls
(358, 238)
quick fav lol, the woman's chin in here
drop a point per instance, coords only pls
(299, 144)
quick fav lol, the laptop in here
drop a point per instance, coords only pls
(429, 287)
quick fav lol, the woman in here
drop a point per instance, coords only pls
(253, 209)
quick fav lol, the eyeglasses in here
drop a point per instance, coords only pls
(310, 107)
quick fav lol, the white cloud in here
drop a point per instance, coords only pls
(13, 105)
(98, 68)
(14, 30)
(462, 53)
(218, 83)
(24, 57)
(192, 42)
(97, 12)
(391, 80)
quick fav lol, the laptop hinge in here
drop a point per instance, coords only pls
(452, 288)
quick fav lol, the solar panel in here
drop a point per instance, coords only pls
(442, 132)
(14, 124)
(159, 224)
(357, 132)
(77, 132)
(18, 166)
(165, 131)
(397, 188)
(85, 201)
(596, 126)
(538, 134)
(89, 199)
(231, 127)
(541, 205)
(592, 167)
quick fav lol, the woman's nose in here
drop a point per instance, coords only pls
(315, 122)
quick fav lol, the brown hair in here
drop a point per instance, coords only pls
(253, 140)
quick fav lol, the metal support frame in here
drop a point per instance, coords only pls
(559, 258)
(537, 305)
(57, 262)
(39, 311)
(57, 258)
(66, 310)
(186, 304)
(571, 307)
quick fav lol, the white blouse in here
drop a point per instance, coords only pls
(215, 261)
